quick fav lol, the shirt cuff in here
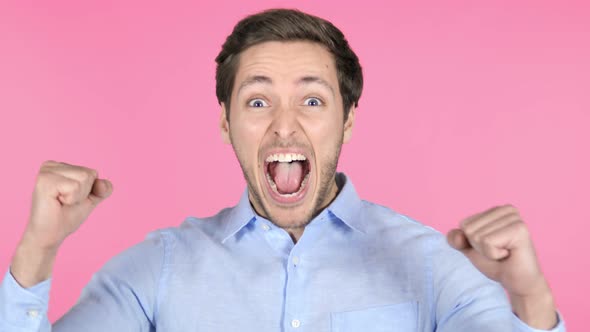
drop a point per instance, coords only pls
(521, 326)
(23, 307)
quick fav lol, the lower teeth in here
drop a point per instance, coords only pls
(274, 186)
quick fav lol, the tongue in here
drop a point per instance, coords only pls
(288, 177)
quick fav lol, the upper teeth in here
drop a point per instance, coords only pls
(285, 157)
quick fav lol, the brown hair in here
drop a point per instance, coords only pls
(288, 25)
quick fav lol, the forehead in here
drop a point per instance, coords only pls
(290, 61)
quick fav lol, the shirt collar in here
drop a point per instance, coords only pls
(239, 217)
(346, 207)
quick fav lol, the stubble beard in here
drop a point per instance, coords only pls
(328, 176)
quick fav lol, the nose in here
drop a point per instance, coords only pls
(285, 122)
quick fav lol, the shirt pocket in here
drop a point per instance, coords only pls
(401, 317)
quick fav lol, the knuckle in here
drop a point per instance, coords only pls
(43, 174)
(93, 173)
(494, 209)
(49, 163)
(521, 228)
(510, 208)
(463, 223)
(514, 217)
(42, 179)
(88, 174)
(468, 231)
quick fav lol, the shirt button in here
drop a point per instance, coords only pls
(295, 323)
(265, 227)
(295, 260)
(32, 313)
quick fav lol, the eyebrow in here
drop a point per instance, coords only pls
(252, 80)
(265, 80)
(315, 79)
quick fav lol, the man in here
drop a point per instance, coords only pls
(300, 251)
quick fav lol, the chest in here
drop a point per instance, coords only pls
(304, 290)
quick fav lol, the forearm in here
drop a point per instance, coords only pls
(32, 263)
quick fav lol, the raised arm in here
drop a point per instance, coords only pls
(63, 197)
(498, 244)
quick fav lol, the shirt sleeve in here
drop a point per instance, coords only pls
(121, 296)
(466, 300)
(23, 309)
(520, 326)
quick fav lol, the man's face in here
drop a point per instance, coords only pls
(286, 127)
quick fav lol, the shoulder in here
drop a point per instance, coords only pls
(408, 236)
(404, 233)
(380, 219)
(193, 235)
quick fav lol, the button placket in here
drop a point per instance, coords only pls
(294, 301)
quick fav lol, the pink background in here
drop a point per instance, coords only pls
(465, 106)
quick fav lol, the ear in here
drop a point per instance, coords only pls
(224, 125)
(348, 125)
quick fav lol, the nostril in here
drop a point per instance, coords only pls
(284, 133)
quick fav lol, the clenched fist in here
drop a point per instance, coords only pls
(63, 197)
(497, 242)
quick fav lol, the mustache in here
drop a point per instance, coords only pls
(284, 144)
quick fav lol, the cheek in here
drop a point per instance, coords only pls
(246, 137)
(325, 138)
(324, 134)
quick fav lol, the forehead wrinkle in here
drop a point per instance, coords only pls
(253, 80)
(306, 80)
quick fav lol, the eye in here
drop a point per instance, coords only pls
(313, 101)
(257, 103)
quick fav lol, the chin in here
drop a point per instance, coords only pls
(293, 218)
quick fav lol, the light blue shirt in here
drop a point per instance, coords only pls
(357, 267)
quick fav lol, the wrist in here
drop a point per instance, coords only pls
(536, 310)
(32, 263)
(41, 238)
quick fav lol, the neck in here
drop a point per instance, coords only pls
(335, 188)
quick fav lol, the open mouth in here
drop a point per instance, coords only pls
(287, 175)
